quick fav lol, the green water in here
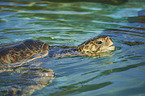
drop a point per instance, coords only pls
(70, 24)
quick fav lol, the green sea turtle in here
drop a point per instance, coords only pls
(31, 49)
(21, 78)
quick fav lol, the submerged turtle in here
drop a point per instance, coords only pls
(31, 49)
(25, 79)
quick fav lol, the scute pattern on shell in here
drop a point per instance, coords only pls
(22, 50)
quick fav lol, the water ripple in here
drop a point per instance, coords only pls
(120, 72)
(56, 12)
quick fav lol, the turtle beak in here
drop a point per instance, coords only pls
(107, 44)
(108, 41)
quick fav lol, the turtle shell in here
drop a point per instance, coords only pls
(22, 50)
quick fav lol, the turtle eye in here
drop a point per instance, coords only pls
(99, 42)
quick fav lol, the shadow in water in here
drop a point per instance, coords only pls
(84, 88)
(133, 33)
(138, 19)
(114, 2)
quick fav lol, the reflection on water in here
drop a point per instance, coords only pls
(58, 24)
(24, 80)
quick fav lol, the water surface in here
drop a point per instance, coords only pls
(70, 24)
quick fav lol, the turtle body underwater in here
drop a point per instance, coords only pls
(30, 49)
(22, 78)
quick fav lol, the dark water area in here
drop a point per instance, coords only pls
(121, 73)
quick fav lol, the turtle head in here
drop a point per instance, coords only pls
(96, 45)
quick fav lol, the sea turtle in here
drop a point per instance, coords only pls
(31, 49)
(24, 79)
